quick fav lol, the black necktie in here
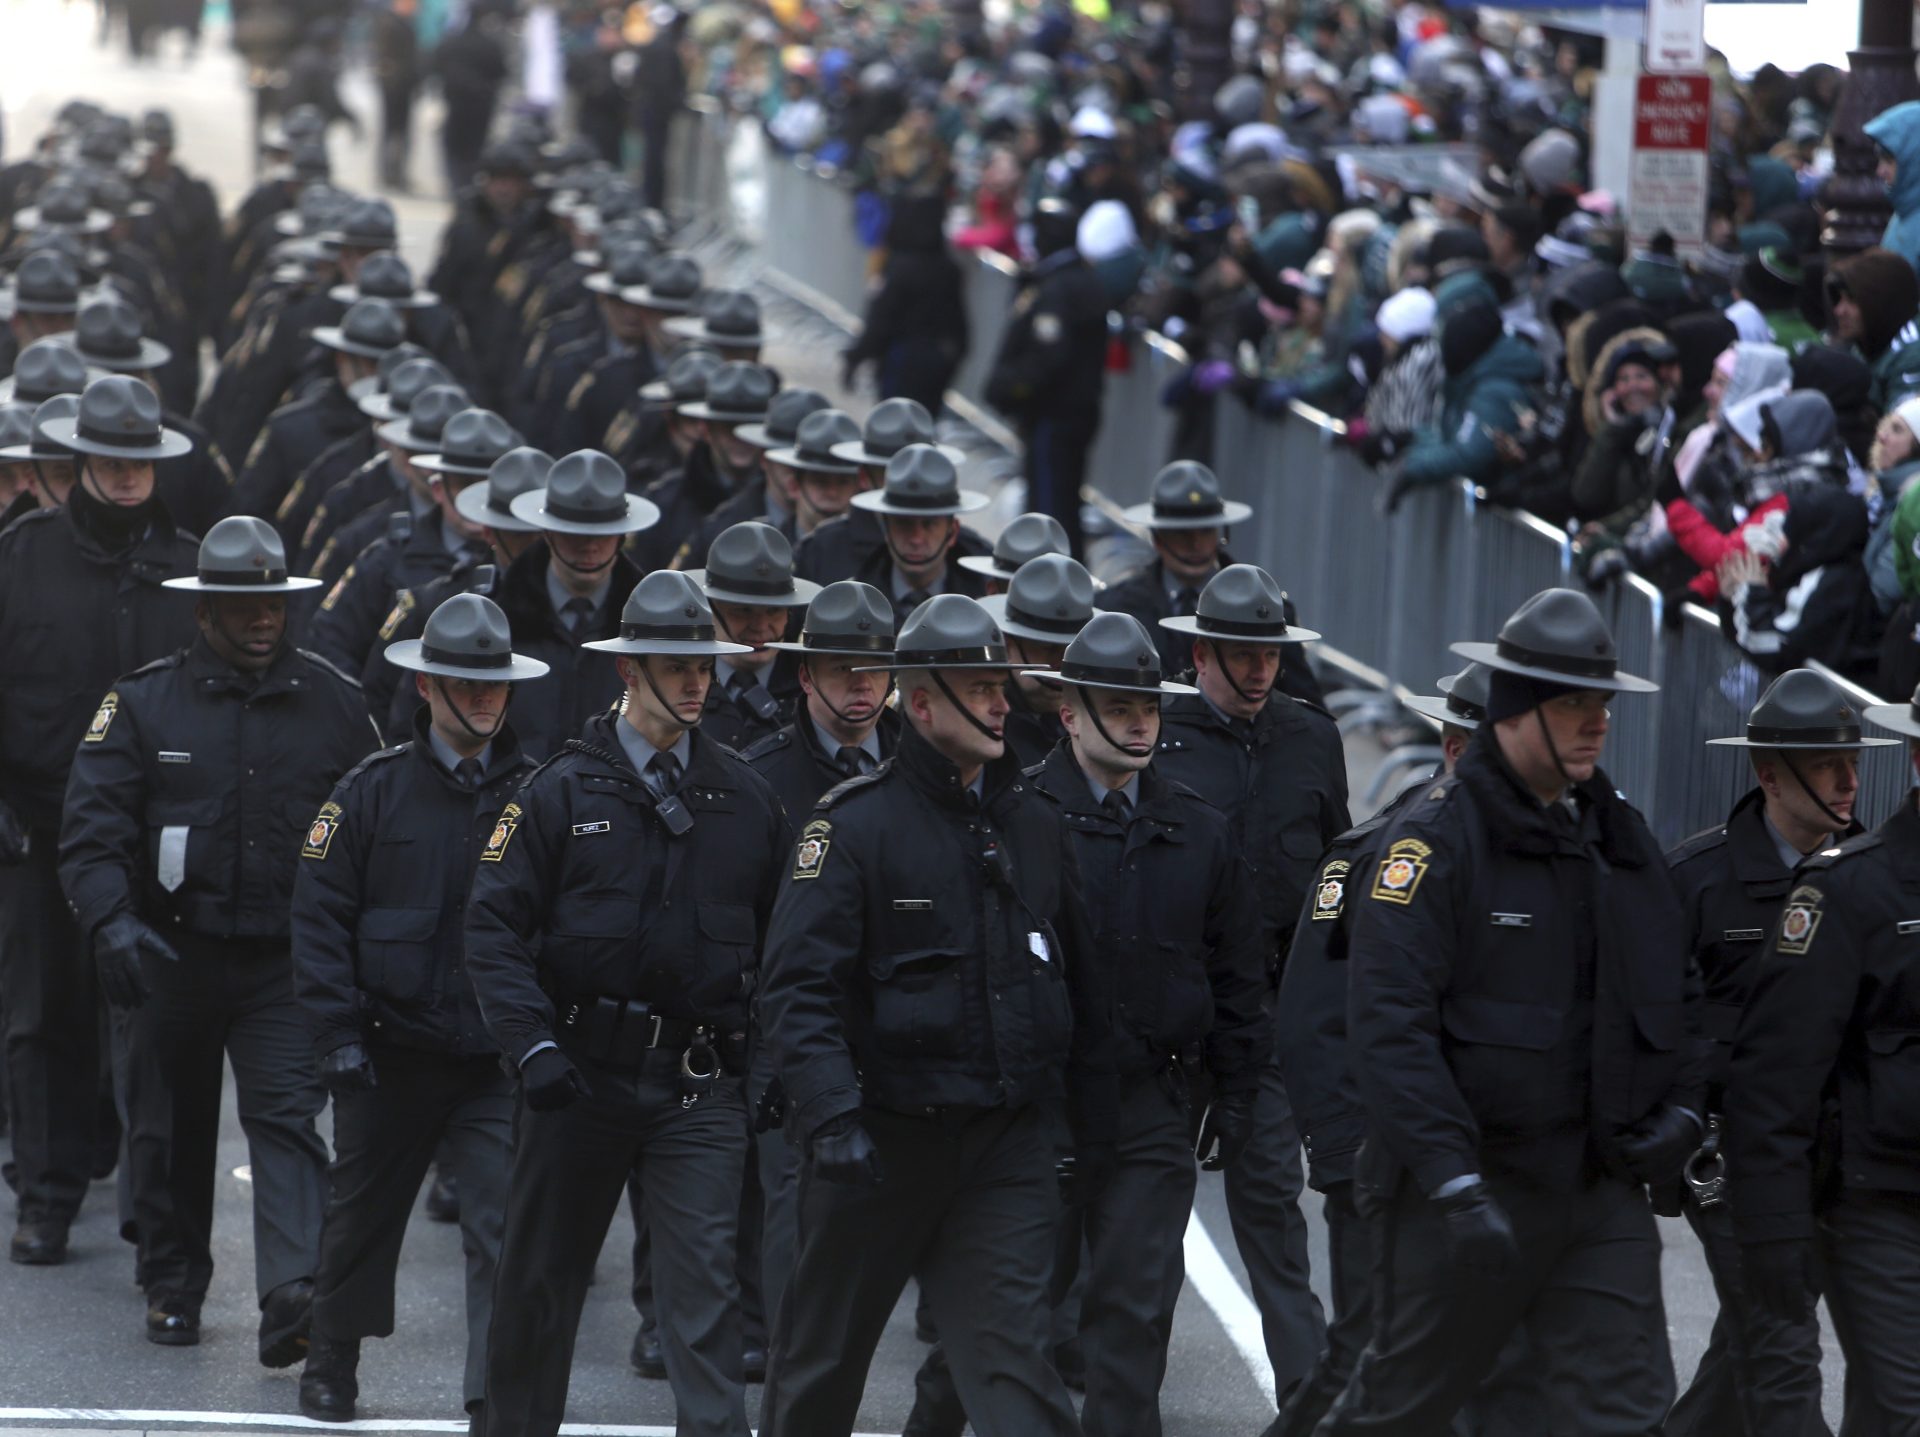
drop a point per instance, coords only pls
(913, 599)
(468, 772)
(1117, 807)
(855, 761)
(664, 769)
(1185, 603)
(577, 614)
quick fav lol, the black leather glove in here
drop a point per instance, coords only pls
(119, 947)
(1776, 1276)
(1224, 1131)
(1479, 1237)
(549, 1081)
(15, 840)
(1085, 1174)
(843, 1153)
(349, 1069)
(1658, 1149)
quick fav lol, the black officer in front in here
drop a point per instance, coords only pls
(1044, 607)
(929, 981)
(612, 938)
(1523, 1022)
(378, 908)
(1275, 766)
(184, 818)
(1822, 1120)
(1759, 1374)
(80, 604)
(749, 582)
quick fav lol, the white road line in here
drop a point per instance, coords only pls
(94, 1416)
(1221, 1291)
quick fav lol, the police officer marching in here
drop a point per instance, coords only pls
(184, 814)
(378, 907)
(612, 939)
(749, 582)
(1045, 605)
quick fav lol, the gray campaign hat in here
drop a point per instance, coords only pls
(685, 380)
(891, 427)
(1026, 537)
(118, 416)
(63, 207)
(1113, 651)
(376, 383)
(16, 427)
(921, 483)
(1241, 604)
(752, 563)
(585, 493)
(672, 285)
(384, 275)
(1558, 636)
(46, 282)
(1804, 709)
(405, 382)
(728, 319)
(782, 425)
(241, 555)
(472, 440)
(107, 334)
(371, 329)
(667, 614)
(37, 445)
(45, 368)
(1049, 600)
(1186, 495)
(738, 392)
(314, 213)
(628, 266)
(846, 617)
(814, 443)
(467, 637)
(1462, 701)
(367, 224)
(948, 631)
(1901, 718)
(425, 420)
(514, 473)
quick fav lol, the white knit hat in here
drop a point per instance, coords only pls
(1105, 230)
(1406, 315)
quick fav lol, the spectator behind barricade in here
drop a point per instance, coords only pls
(915, 329)
(1893, 565)
(1109, 241)
(1490, 379)
(1846, 381)
(1404, 397)
(1770, 281)
(1873, 297)
(1896, 135)
(1813, 601)
(995, 224)
(1628, 413)
(1708, 464)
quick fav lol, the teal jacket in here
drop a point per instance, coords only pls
(1898, 131)
(1486, 398)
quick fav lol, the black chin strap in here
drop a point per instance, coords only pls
(1086, 697)
(1546, 737)
(966, 713)
(461, 718)
(646, 672)
(886, 537)
(1839, 823)
(1227, 676)
(831, 708)
(597, 568)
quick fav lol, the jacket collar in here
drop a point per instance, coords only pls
(209, 671)
(503, 754)
(934, 774)
(1059, 775)
(523, 594)
(1518, 821)
(704, 768)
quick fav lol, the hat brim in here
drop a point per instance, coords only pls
(806, 464)
(473, 507)
(1490, 655)
(8, 386)
(984, 565)
(1190, 625)
(874, 501)
(399, 433)
(669, 648)
(1007, 665)
(1166, 688)
(602, 284)
(153, 354)
(97, 222)
(756, 435)
(802, 595)
(643, 298)
(440, 464)
(804, 650)
(690, 328)
(288, 585)
(331, 336)
(1898, 717)
(855, 451)
(26, 454)
(350, 294)
(996, 605)
(530, 508)
(1232, 512)
(1436, 709)
(700, 409)
(11, 304)
(1862, 742)
(65, 432)
(406, 654)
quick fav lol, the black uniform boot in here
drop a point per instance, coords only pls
(329, 1385)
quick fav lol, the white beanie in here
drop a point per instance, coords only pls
(1406, 315)
(1092, 123)
(1909, 411)
(1105, 230)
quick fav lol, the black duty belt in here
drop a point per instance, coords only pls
(621, 1032)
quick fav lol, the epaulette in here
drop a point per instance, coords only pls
(379, 755)
(1305, 704)
(849, 786)
(767, 743)
(331, 667)
(1829, 857)
(1705, 841)
(166, 661)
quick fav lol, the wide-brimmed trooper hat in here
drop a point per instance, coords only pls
(63, 207)
(384, 275)
(518, 471)
(1462, 701)
(1903, 719)
(667, 614)
(585, 493)
(107, 334)
(1026, 537)
(1113, 651)
(948, 631)
(376, 383)
(685, 380)
(419, 430)
(45, 368)
(848, 618)
(752, 563)
(37, 445)
(1186, 495)
(315, 213)
(672, 285)
(1241, 604)
(45, 282)
(1558, 636)
(738, 392)
(242, 555)
(728, 319)
(118, 416)
(1047, 602)
(368, 224)
(781, 427)
(472, 440)
(16, 428)
(628, 266)
(371, 329)
(891, 427)
(1805, 710)
(405, 382)
(921, 483)
(467, 637)
(814, 444)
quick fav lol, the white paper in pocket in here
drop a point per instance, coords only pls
(1037, 945)
(173, 858)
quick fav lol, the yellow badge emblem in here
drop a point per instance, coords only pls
(402, 606)
(1400, 872)
(102, 719)
(321, 831)
(502, 834)
(1799, 920)
(1331, 896)
(810, 855)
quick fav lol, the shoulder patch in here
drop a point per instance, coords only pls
(102, 719)
(1400, 872)
(502, 834)
(321, 831)
(810, 854)
(1330, 898)
(397, 615)
(1799, 920)
(339, 585)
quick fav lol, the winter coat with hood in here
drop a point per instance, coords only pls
(1893, 548)
(1887, 293)
(1614, 482)
(1897, 130)
(1816, 603)
(1703, 521)
(1491, 376)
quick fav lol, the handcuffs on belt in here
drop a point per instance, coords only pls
(1706, 1170)
(699, 1068)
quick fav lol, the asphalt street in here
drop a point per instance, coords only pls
(72, 1354)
